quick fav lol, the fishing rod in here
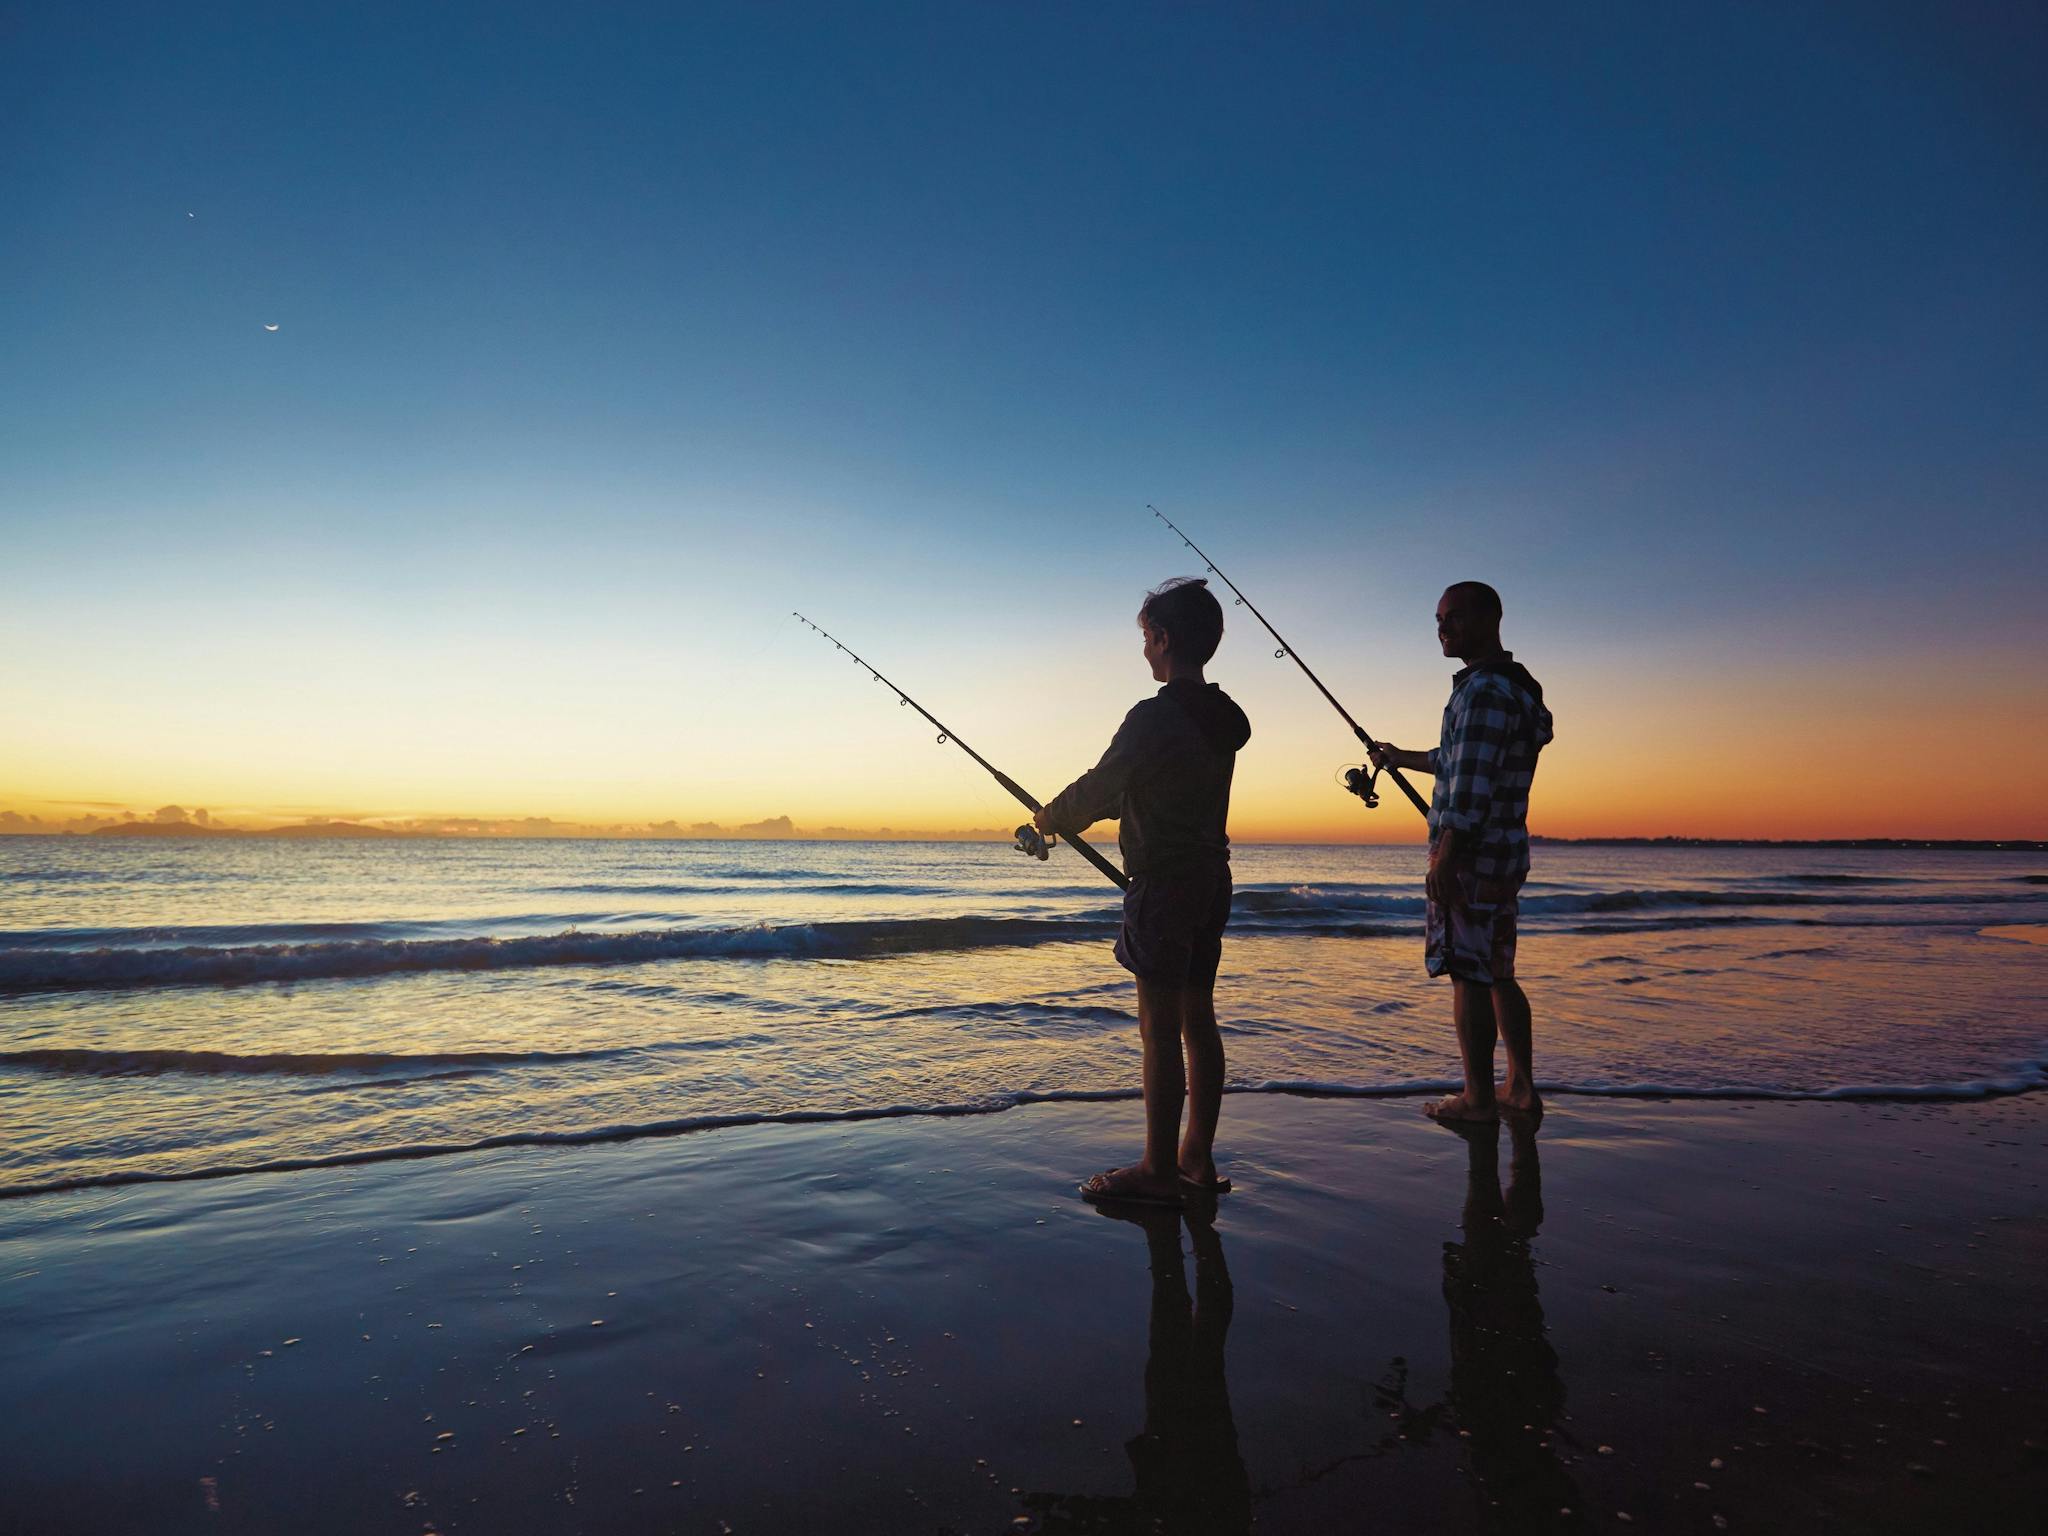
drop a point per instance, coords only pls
(1360, 781)
(1029, 839)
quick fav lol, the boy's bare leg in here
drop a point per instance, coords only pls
(1205, 1080)
(1522, 1204)
(1472, 1011)
(1166, 1085)
(1511, 1015)
(1166, 1079)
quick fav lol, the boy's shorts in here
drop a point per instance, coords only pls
(1475, 941)
(1173, 925)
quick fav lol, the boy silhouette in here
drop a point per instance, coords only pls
(1166, 778)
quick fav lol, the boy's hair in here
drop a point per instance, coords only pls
(1189, 613)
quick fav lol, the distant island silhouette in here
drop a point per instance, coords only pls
(329, 829)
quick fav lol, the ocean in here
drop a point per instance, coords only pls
(179, 1009)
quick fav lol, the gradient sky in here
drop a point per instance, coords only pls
(1716, 337)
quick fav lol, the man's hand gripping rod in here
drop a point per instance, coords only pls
(1358, 781)
(1029, 839)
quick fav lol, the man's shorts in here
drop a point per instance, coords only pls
(1173, 924)
(1475, 941)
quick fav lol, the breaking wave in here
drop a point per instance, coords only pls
(719, 887)
(156, 1063)
(37, 970)
(76, 959)
(1537, 899)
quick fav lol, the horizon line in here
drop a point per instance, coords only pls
(369, 833)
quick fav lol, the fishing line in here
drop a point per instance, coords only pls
(1029, 839)
(1360, 781)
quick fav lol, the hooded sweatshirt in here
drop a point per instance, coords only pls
(1165, 777)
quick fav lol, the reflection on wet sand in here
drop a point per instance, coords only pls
(1505, 1401)
(1506, 1395)
(1190, 1476)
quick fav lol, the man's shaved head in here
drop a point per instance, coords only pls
(1481, 598)
(1468, 620)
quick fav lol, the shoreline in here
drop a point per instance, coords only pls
(2030, 1077)
(913, 1324)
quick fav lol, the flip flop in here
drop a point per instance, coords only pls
(1216, 1186)
(1096, 1189)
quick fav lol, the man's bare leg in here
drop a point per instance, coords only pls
(1205, 1081)
(1157, 1174)
(1472, 1011)
(1511, 1015)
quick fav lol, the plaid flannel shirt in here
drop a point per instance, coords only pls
(1484, 765)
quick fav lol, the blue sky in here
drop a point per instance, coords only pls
(1714, 335)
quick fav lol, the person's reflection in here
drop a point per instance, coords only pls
(1506, 1393)
(1190, 1477)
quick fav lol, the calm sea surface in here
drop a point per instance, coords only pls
(184, 1007)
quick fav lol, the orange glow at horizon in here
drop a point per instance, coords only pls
(1679, 786)
(1647, 746)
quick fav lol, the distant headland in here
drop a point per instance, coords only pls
(195, 829)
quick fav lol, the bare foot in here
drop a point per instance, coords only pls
(1526, 1102)
(1133, 1183)
(1455, 1108)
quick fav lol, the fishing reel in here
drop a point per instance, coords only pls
(1362, 781)
(1034, 842)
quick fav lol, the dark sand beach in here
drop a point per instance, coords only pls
(1670, 1316)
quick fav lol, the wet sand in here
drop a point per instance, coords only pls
(1658, 1316)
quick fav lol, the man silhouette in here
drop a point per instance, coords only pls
(1484, 763)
